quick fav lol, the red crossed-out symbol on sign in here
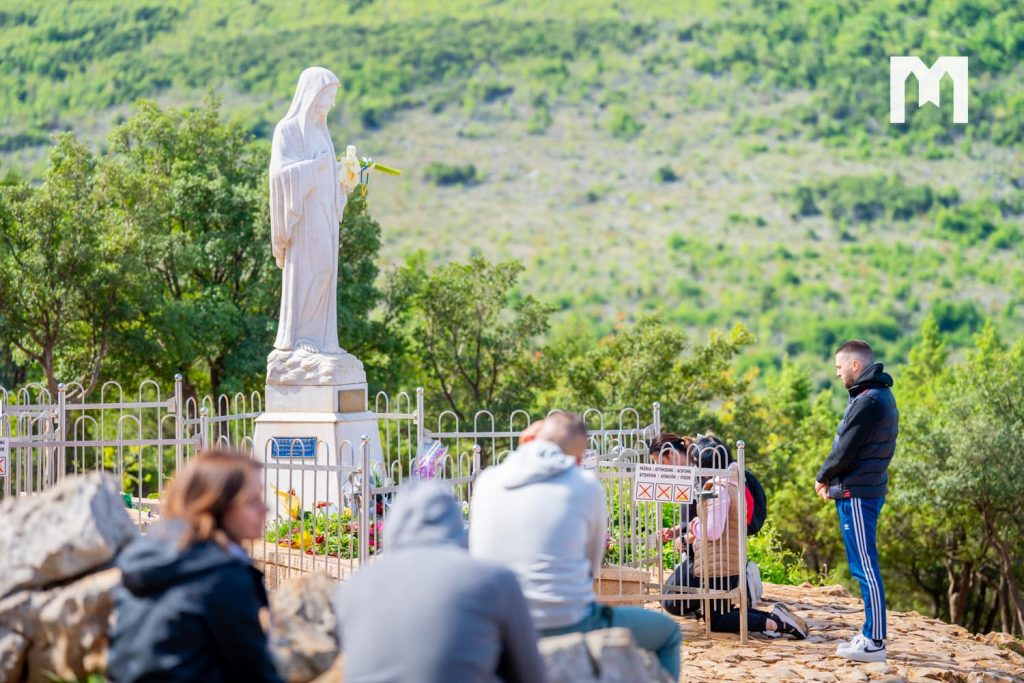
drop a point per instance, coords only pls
(644, 491)
(682, 494)
(663, 492)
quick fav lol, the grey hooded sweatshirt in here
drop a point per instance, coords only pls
(426, 612)
(544, 517)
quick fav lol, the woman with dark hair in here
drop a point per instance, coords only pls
(192, 607)
(713, 546)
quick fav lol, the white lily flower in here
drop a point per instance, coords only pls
(349, 171)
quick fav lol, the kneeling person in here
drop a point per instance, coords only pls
(544, 517)
(715, 550)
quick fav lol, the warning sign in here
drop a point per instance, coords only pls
(5, 447)
(663, 483)
(590, 460)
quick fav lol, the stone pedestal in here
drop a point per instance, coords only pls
(309, 437)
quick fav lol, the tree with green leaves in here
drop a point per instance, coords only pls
(194, 189)
(472, 341)
(961, 477)
(68, 270)
(648, 361)
(367, 315)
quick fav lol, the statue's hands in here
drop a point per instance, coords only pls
(323, 161)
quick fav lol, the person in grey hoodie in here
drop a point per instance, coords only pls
(457, 619)
(544, 517)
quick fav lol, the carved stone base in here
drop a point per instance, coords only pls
(298, 367)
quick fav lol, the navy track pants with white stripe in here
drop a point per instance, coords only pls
(858, 519)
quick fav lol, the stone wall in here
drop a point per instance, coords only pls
(56, 578)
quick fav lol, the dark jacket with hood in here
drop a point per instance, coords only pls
(865, 441)
(188, 614)
(426, 612)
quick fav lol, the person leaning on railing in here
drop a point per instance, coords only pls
(192, 607)
(716, 548)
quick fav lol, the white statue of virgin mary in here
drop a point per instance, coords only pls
(306, 205)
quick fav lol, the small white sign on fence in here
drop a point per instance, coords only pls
(663, 483)
(590, 460)
(5, 449)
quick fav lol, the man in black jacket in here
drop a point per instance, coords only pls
(855, 476)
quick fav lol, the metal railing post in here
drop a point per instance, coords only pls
(419, 422)
(59, 452)
(657, 418)
(705, 582)
(364, 500)
(5, 432)
(204, 428)
(477, 458)
(179, 426)
(741, 513)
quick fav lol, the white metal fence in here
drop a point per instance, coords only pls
(144, 438)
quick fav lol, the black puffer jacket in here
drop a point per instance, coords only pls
(188, 614)
(865, 441)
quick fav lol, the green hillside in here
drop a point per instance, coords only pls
(718, 162)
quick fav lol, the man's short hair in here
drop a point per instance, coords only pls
(569, 424)
(858, 349)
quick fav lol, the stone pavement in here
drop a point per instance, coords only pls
(920, 648)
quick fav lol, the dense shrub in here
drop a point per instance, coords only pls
(440, 173)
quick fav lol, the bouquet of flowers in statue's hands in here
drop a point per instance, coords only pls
(355, 172)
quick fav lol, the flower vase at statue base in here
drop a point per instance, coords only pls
(309, 436)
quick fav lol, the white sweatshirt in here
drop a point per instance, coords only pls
(543, 517)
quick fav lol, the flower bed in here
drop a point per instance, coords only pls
(325, 531)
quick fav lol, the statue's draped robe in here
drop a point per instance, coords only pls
(306, 206)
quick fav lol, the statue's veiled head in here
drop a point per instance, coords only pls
(314, 95)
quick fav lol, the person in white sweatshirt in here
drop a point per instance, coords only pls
(544, 517)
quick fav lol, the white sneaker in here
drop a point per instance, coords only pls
(846, 644)
(861, 649)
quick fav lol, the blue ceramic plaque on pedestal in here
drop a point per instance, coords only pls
(293, 446)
